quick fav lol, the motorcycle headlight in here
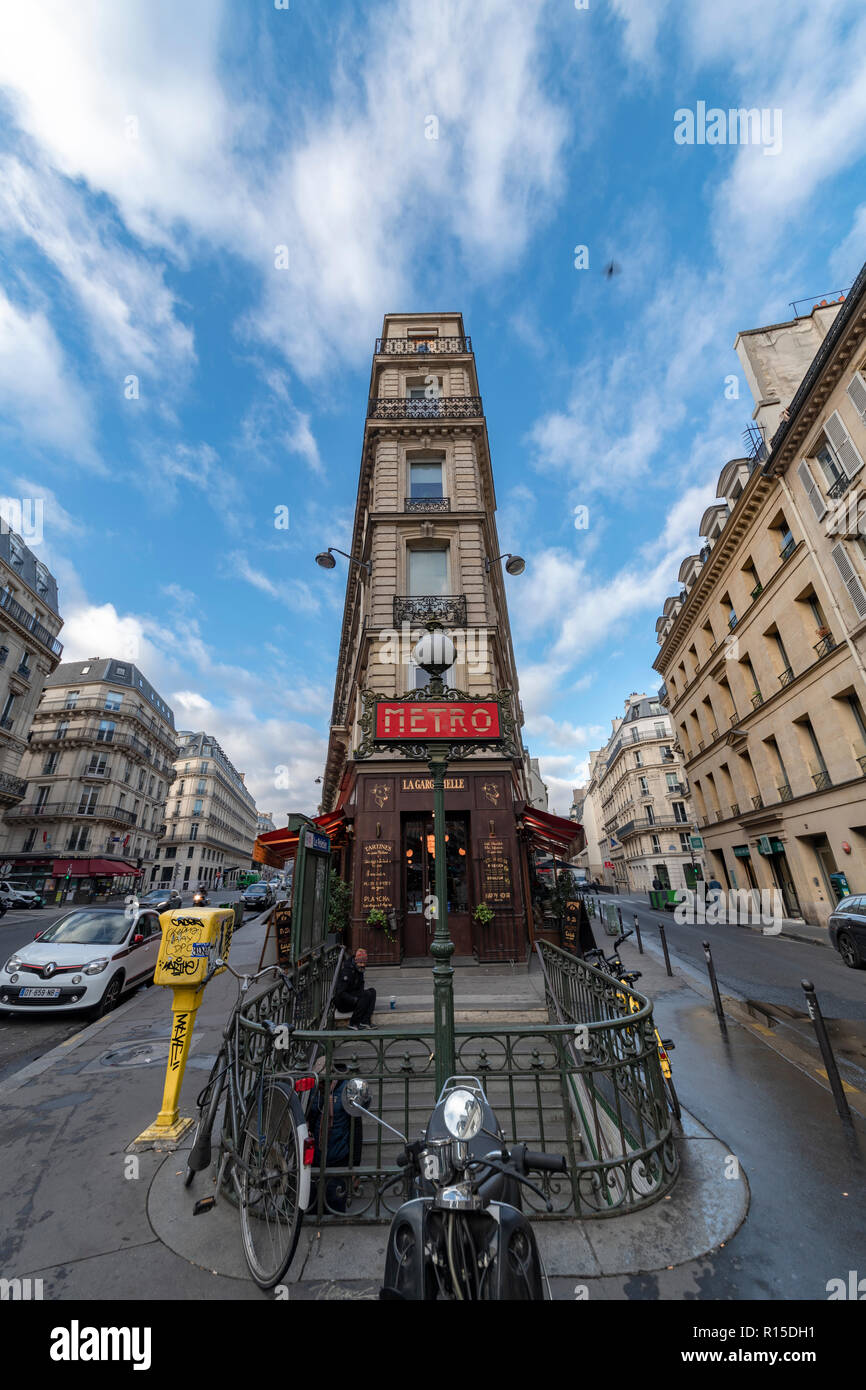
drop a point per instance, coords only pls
(96, 967)
(462, 1114)
(13, 963)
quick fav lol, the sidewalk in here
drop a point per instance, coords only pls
(793, 927)
(94, 1221)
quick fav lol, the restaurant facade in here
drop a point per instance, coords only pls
(425, 550)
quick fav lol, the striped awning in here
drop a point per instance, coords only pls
(553, 833)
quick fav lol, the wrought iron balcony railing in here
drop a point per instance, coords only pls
(786, 676)
(420, 608)
(55, 810)
(427, 504)
(29, 621)
(11, 786)
(757, 699)
(410, 347)
(735, 808)
(785, 793)
(822, 781)
(7, 723)
(839, 487)
(757, 802)
(425, 408)
(788, 549)
(758, 589)
(825, 646)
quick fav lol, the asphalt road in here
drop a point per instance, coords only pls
(766, 969)
(22, 1040)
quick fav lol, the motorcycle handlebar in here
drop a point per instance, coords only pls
(546, 1163)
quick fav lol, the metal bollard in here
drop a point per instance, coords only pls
(717, 998)
(637, 934)
(619, 915)
(826, 1050)
(664, 942)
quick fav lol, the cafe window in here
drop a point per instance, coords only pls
(428, 571)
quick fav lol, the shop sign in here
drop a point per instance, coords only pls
(425, 784)
(742, 852)
(416, 720)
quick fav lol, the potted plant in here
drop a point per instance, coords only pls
(823, 631)
(339, 903)
(382, 921)
(483, 915)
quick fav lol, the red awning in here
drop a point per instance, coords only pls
(88, 868)
(553, 833)
(276, 847)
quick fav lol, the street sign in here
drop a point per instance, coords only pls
(696, 841)
(413, 721)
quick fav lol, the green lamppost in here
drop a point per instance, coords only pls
(434, 653)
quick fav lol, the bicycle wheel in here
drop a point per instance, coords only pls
(673, 1099)
(271, 1176)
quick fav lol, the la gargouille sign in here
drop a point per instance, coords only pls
(397, 720)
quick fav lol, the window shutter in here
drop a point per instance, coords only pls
(838, 437)
(850, 579)
(857, 394)
(819, 506)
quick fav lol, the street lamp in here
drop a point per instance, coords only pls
(514, 564)
(325, 559)
(434, 653)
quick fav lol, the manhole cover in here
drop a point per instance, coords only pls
(136, 1054)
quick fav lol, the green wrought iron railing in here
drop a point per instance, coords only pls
(587, 1084)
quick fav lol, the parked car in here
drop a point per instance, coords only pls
(162, 900)
(848, 931)
(86, 960)
(15, 896)
(258, 896)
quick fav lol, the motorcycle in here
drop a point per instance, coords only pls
(462, 1235)
(200, 899)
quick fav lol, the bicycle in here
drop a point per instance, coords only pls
(266, 1150)
(614, 965)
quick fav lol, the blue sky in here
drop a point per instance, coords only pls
(153, 156)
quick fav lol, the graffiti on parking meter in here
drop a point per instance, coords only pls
(191, 945)
(178, 1038)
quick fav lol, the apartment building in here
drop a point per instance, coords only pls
(97, 766)
(645, 818)
(762, 649)
(264, 822)
(211, 818)
(590, 857)
(29, 653)
(425, 546)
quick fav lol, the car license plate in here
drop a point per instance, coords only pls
(39, 994)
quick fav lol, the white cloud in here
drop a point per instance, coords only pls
(38, 392)
(131, 313)
(294, 593)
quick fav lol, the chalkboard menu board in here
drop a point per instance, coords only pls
(377, 878)
(496, 887)
(571, 925)
(283, 928)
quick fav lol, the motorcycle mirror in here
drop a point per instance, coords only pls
(356, 1096)
(463, 1114)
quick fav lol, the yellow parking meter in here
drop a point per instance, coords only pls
(192, 940)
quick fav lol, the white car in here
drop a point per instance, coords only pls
(13, 896)
(85, 960)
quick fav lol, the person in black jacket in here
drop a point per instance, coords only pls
(351, 992)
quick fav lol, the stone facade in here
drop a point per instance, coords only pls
(211, 818)
(29, 653)
(762, 651)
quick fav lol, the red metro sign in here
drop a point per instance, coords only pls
(401, 720)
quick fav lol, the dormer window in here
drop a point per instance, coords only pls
(16, 551)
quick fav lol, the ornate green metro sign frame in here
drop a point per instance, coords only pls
(422, 750)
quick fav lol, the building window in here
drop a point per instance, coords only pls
(113, 700)
(6, 716)
(685, 843)
(193, 832)
(43, 582)
(425, 479)
(190, 851)
(673, 782)
(680, 812)
(105, 733)
(428, 571)
(655, 844)
(50, 764)
(16, 550)
(72, 698)
(29, 842)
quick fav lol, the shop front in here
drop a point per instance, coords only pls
(394, 865)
